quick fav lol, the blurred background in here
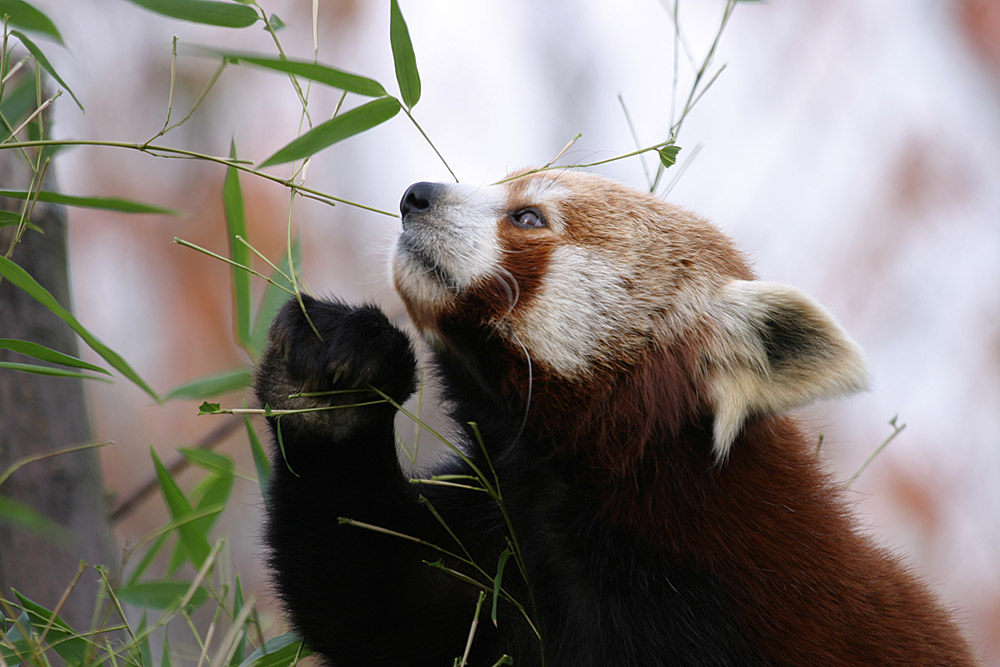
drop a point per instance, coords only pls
(852, 147)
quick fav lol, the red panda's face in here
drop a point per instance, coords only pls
(580, 271)
(589, 280)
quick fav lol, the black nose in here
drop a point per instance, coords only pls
(419, 197)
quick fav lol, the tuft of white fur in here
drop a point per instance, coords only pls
(577, 313)
(457, 237)
(777, 349)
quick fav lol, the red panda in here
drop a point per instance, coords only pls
(613, 364)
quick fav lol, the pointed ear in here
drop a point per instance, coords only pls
(778, 349)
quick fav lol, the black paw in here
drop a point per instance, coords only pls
(336, 348)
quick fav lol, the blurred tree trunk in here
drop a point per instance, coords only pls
(40, 414)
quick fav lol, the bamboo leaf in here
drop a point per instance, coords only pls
(49, 370)
(8, 219)
(504, 556)
(329, 76)
(66, 641)
(209, 12)
(260, 460)
(232, 204)
(193, 541)
(210, 461)
(274, 298)
(160, 594)
(668, 155)
(104, 203)
(213, 491)
(403, 58)
(44, 62)
(278, 651)
(47, 354)
(241, 647)
(211, 385)
(26, 16)
(21, 279)
(336, 129)
(19, 514)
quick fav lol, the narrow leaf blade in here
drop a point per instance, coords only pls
(26, 16)
(116, 204)
(211, 385)
(336, 129)
(232, 204)
(209, 12)
(160, 594)
(17, 513)
(260, 460)
(274, 298)
(21, 279)
(49, 370)
(278, 651)
(403, 58)
(44, 62)
(193, 541)
(329, 76)
(68, 643)
(47, 354)
(210, 461)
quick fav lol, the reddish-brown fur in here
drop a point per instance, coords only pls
(768, 522)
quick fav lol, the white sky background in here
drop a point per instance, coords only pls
(852, 147)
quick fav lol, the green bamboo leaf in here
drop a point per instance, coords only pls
(66, 641)
(104, 203)
(8, 219)
(21, 279)
(25, 16)
(15, 647)
(47, 354)
(145, 654)
(241, 646)
(402, 57)
(232, 204)
(209, 12)
(160, 594)
(274, 298)
(192, 539)
(20, 98)
(210, 461)
(207, 408)
(668, 155)
(211, 492)
(165, 659)
(49, 370)
(211, 385)
(260, 460)
(336, 129)
(504, 556)
(44, 62)
(147, 559)
(278, 651)
(329, 76)
(19, 514)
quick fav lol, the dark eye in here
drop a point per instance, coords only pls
(527, 218)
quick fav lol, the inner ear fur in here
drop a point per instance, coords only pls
(777, 349)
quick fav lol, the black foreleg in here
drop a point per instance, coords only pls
(357, 596)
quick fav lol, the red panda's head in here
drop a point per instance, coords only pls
(589, 280)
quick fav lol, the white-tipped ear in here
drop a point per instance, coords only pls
(778, 349)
